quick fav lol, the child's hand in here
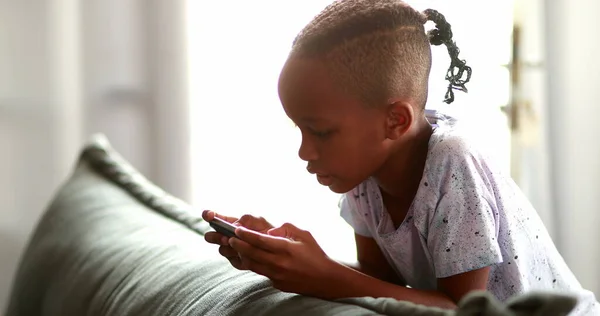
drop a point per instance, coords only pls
(290, 257)
(258, 224)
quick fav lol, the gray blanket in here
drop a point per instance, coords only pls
(112, 243)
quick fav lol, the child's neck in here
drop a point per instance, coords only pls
(401, 175)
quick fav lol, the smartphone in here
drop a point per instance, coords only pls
(223, 227)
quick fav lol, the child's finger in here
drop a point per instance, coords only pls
(228, 252)
(236, 262)
(248, 251)
(209, 215)
(254, 223)
(216, 238)
(273, 243)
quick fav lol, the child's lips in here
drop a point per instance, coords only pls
(313, 171)
(324, 179)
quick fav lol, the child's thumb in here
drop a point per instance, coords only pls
(278, 232)
(288, 231)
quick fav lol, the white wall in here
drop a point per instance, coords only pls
(27, 162)
(572, 50)
(134, 84)
(69, 68)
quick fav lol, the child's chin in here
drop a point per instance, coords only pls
(340, 188)
(334, 184)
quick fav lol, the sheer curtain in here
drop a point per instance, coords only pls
(244, 148)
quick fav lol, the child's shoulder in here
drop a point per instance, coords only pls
(456, 157)
(454, 141)
(451, 144)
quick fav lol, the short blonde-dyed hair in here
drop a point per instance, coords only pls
(378, 50)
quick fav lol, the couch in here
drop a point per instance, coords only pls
(113, 243)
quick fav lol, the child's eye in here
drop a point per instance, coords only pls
(322, 134)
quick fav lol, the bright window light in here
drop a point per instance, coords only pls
(244, 148)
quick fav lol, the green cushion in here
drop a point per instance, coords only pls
(112, 243)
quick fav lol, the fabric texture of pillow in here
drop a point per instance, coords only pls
(112, 243)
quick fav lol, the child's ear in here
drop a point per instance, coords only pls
(400, 116)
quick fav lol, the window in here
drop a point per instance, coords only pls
(245, 148)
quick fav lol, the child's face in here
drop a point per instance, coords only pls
(343, 141)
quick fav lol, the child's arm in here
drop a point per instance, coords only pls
(372, 262)
(345, 282)
(457, 286)
(294, 262)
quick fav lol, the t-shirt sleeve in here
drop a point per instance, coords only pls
(463, 228)
(349, 212)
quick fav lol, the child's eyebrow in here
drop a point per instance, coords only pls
(309, 120)
(313, 120)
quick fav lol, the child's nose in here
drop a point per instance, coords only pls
(307, 151)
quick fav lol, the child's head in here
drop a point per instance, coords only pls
(356, 84)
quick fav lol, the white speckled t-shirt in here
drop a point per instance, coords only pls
(465, 216)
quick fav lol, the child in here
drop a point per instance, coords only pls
(428, 209)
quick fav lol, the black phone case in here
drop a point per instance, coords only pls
(222, 227)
